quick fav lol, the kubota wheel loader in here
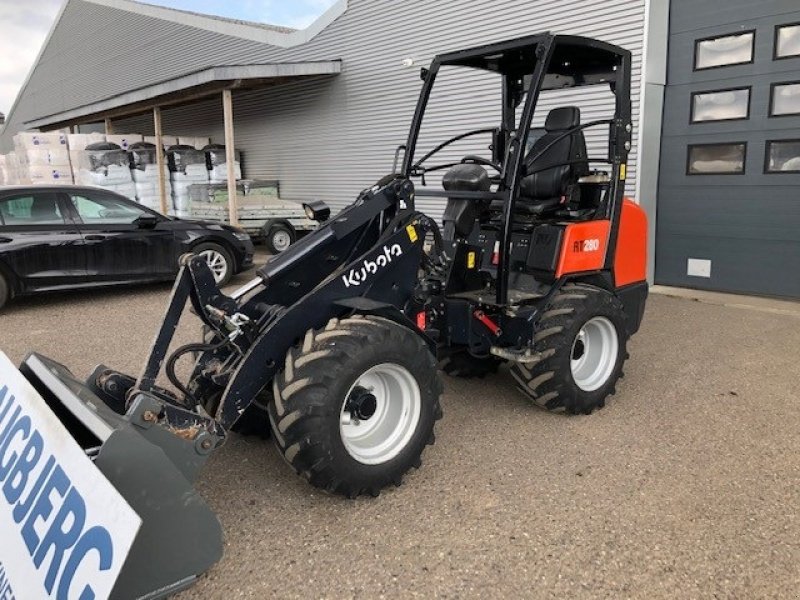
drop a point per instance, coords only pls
(540, 264)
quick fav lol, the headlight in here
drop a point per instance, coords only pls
(242, 235)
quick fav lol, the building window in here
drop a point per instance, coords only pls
(716, 159)
(783, 156)
(787, 41)
(722, 51)
(785, 99)
(721, 105)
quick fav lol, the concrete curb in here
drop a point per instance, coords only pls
(757, 303)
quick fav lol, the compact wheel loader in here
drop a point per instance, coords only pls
(338, 341)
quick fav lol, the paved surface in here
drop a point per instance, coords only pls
(685, 486)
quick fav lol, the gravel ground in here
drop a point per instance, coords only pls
(685, 485)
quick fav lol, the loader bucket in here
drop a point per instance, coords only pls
(151, 468)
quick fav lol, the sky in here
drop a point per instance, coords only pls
(24, 26)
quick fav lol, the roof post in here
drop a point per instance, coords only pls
(230, 155)
(162, 183)
(109, 126)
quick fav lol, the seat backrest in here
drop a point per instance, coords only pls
(44, 207)
(549, 175)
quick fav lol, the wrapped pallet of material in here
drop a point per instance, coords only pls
(77, 143)
(11, 169)
(187, 167)
(144, 171)
(43, 158)
(106, 165)
(198, 143)
(167, 140)
(124, 140)
(217, 163)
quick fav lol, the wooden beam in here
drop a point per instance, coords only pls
(230, 155)
(162, 183)
(109, 126)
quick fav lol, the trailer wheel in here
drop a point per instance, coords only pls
(581, 338)
(456, 361)
(279, 237)
(355, 405)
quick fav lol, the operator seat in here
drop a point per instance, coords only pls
(547, 178)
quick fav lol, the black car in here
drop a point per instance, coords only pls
(60, 237)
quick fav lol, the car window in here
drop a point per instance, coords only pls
(102, 210)
(31, 209)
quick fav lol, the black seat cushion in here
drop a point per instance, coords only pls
(551, 164)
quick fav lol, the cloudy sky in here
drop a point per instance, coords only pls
(24, 25)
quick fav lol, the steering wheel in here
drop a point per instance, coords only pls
(479, 160)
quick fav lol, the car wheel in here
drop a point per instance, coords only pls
(218, 260)
(279, 237)
(5, 290)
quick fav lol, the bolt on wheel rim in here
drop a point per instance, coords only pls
(217, 263)
(281, 241)
(379, 432)
(594, 354)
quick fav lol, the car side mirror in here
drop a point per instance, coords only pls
(147, 221)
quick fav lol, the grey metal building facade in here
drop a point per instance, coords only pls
(729, 188)
(329, 136)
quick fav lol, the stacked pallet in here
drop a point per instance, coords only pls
(43, 158)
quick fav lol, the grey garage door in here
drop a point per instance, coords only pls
(729, 179)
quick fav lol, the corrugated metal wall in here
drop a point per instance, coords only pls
(332, 137)
(747, 226)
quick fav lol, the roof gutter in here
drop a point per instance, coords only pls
(231, 76)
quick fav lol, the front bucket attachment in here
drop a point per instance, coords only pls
(151, 467)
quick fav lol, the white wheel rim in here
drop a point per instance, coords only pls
(388, 430)
(217, 263)
(281, 240)
(594, 354)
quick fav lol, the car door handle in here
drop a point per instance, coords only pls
(4, 240)
(95, 237)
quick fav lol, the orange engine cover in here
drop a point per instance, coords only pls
(630, 259)
(584, 247)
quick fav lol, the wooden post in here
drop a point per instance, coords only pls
(230, 155)
(109, 126)
(162, 183)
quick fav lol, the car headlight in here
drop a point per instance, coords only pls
(242, 235)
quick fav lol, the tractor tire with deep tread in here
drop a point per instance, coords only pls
(311, 395)
(458, 362)
(559, 381)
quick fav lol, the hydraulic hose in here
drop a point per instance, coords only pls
(173, 358)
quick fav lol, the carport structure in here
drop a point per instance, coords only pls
(185, 90)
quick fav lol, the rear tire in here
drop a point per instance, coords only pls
(219, 261)
(581, 338)
(5, 291)
(458, 362)
(279, 237)
(355, 405)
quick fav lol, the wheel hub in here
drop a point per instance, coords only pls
(594, 354)
(361, 404)
(380, 413)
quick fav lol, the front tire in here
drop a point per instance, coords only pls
(355, 405)
(5, 291)
(581, 342)
(218, 259)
